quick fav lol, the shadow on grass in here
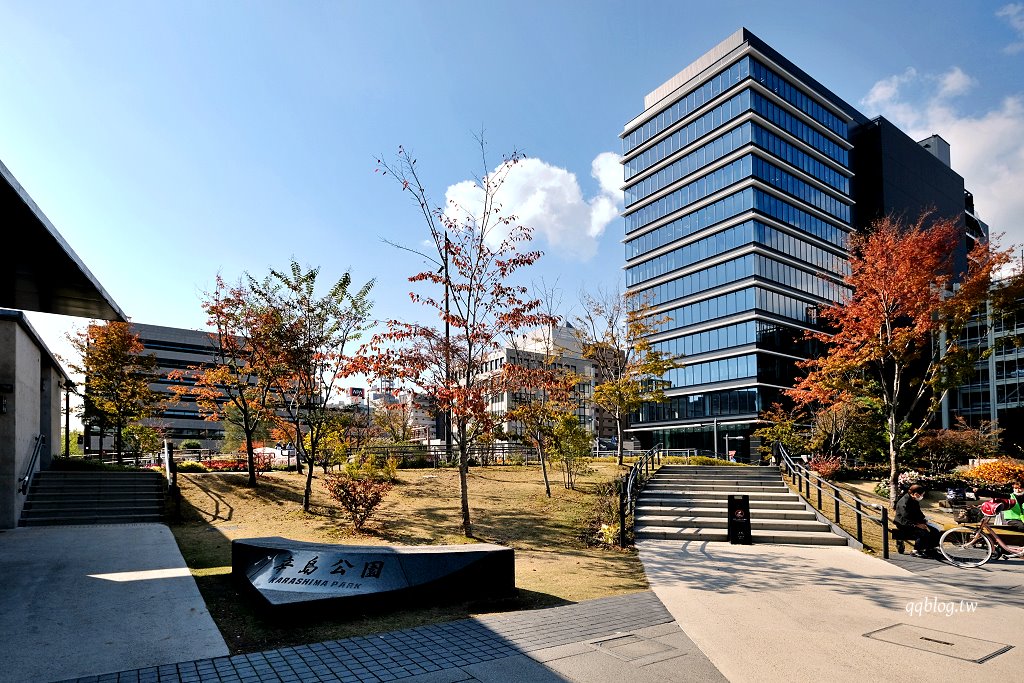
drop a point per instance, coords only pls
(247, 627)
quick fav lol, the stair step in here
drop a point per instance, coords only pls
(762, 513)
(758, 536)
(94, 519)
(743, 488)
(756, 523)
(65, 511)
(792, 503)
(722, 495)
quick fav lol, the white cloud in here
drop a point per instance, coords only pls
(549, 200)
(1014, 15)
(986, 148)
(955, 82)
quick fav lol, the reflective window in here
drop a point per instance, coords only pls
(687, 104)
(708, 340)
(692, 192)
(694, 161)
(689, 133)
(789, 183)
(749, 232)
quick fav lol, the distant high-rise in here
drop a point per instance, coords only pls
(743, 179)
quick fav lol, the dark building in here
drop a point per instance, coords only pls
(744, 177)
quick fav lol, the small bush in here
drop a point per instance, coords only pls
(359, 497)
(192, 466)
(825, 465)
(700, 460)
(882, 488)
(63, 464)
(190, 445)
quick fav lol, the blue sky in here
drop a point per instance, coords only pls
(172, 141)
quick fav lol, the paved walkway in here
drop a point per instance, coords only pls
(810, 613)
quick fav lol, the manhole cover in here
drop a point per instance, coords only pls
(940, 642)
(628, 647)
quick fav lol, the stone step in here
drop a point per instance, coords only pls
(91, 511)
(720, 495)
(791, 503)
(94, 494)
(706, 511)
(767, 487)
(91, 519)
(737, 470)
(744, 481)
(756, 523)
(721, 535)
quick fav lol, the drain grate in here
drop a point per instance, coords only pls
(940, 642)
(629, 647)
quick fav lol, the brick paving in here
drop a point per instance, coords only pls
(412, 652)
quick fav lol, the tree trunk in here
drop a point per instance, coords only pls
(894, 475)
(544, 468)
(618, 442)
(251, 457)
(467, 527)
(309, 482)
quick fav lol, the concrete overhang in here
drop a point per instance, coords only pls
(41, 272)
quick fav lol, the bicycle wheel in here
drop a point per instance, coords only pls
(965, 547)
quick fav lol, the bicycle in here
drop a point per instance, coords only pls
(973, 545)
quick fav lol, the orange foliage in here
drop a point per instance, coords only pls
(1000, 471)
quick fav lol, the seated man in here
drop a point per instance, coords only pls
(911, 521)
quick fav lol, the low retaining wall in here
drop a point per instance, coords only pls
(284, 574)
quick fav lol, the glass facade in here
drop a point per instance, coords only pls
(737, 211)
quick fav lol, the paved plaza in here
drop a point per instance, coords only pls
(116, 603)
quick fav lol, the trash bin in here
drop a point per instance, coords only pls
(739, 520)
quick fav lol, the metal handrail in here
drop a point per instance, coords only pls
(632, 483)
(40, 442)
(804, 474)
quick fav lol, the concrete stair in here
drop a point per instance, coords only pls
(94, 498)
(683, 502)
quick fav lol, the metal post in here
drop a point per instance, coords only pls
(860, 531)
(67, 420)
(885, 533)
(836, 498)
(622, 512)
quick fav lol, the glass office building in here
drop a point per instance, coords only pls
(738, 205)
(744, 178)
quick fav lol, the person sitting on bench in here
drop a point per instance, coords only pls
(913, 524)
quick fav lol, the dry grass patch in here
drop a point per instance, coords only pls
(556, 561)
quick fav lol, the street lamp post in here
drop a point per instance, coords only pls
(734, 438)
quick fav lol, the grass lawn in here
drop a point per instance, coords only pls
(557, 561)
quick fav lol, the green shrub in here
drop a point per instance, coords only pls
(700, 460)
(62, 464)
(190, 445)
(192, 466)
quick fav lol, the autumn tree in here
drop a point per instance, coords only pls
(237, 386)
(897, 338)
(614, 333)
(474, 256)
(311, 338)
(118, 374)
(946, 448)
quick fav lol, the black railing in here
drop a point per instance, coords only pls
(804, 479)
(631, 485)
(37, 448)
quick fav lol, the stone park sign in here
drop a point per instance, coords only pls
(286, 574)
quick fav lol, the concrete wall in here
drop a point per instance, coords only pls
(31, 385)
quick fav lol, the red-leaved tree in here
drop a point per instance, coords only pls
(475, 255)
(897, 337)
